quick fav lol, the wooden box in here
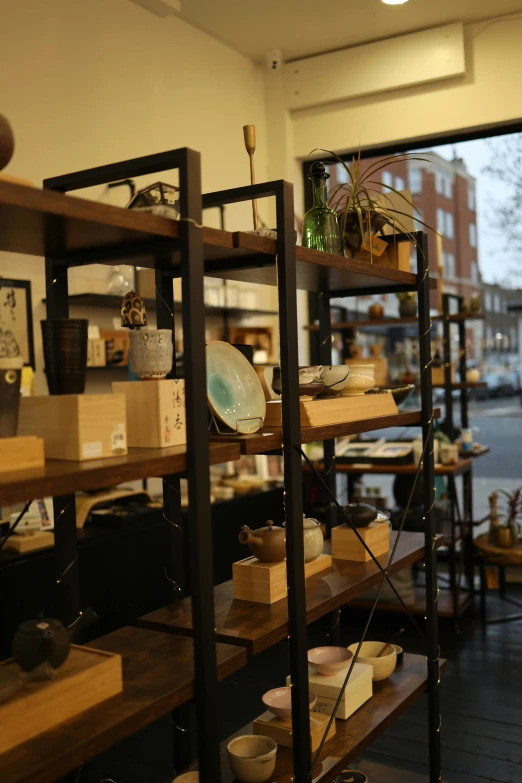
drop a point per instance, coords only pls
(21, 453)
(396, 256)
(356, 693)
(96, 353)
(87, 678)
(346, 545)
(76, 426)
(339, 410)
(155, 412)
(265, 583)
(281, 731)
(437, 375)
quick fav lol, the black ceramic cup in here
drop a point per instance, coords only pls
(10, 378)
(65, 354)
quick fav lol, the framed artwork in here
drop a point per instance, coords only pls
(16, 320)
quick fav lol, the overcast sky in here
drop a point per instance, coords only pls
(495, 263)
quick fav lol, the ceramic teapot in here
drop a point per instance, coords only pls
(313, 538)
(268, 543)
(361, 514)
(39, 641)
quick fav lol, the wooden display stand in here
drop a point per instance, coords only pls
(155, 412)
(339, 410)
(346, 545)
(327, 689)
(76, 426)
(30, 543)
(281, 731)
(21, 453)
(87, 678)
(265, 583)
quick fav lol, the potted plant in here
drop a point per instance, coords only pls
(407, 304)
(507, 535)
(362, 209)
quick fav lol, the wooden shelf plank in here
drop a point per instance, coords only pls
(158, 676)
(258, 626)
(57, 477)
(271, 439)
(445, 603)
(462, 466)
(391, 322)
(390, 698)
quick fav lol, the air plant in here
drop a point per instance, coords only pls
(361, 208)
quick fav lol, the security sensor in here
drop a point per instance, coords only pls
(274, 59)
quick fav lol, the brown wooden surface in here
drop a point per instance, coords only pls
(445, 603)
(339, 325)
(496, 554)
(377, 773)
(60, 477)
(258, 626)
(462, 466)
(158, 675)
(390, 698)
(457, 386)
(271, 439)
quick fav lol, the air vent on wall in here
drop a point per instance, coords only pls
(160, 7)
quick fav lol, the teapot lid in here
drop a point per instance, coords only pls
(309, 522)
(270, 527)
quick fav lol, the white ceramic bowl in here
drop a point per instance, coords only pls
(328, 661)
(252, 758)
(382, 667)
(151, 353)
(279, 702)
(234, 391)
(360, 380)
(335, 379)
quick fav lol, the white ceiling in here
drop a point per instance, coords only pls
(304, 27)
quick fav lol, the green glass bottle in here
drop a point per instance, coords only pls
(321, 229)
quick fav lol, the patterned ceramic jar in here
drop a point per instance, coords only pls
(151, 353)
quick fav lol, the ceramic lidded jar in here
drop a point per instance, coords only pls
(313, 538)
(268, 543)
(151, 353)
(40, 641)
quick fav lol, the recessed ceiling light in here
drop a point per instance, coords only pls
(394, 2)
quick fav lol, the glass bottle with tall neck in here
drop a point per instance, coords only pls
(321, 229)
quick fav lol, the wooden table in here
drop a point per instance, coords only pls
(490, 554)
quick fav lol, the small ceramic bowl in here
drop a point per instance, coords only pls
(335, 379)
(151, 353)
(187, 777)
(351, 776)
(279, 702)
(360, 380)
(400, 393)
(311, 381)
(383, 666)
(328, 661)
(252, 758)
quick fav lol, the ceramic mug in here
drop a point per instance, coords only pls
(151, 353)
(252, 758)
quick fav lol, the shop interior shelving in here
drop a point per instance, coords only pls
(162, 670)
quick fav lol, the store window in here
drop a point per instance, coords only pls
(487, 301)
(439, 183)
(387, 178)
(449, 264)
(415, 181)
(448, 187)
(489, 336)
(399, 183)
(342, 174)
(497, 304)
(471, 198)
(418, 216)
(472, 235)
(450, 231)
(441, 222)
(474, 273)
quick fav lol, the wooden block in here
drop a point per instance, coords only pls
(318, 413)
(87, 677)
(346, 545)
(155, 412)
(327, 689)
(21, 453)
(281, 731)
(265, 583)
(30, 543)
(76, 426)
(437, 375)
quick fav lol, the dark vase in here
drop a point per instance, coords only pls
(408, 308)
(41, 641)
(10, 378)
(65, 354)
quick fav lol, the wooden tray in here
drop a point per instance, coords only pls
(87, 678)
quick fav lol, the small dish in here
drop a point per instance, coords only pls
(335, 379)
(383, 666)
(328, 661)
(252, 758)
(360, 380)
(279, 702)
(234, 392)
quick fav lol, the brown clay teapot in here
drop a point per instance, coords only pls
(268, 543)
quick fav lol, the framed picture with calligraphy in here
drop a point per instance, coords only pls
(16, 320)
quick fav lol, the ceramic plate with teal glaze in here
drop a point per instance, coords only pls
(234, 391)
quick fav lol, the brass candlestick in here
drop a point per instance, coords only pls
(249, 132)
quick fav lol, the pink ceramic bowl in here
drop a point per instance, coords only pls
(329, 660)
(279, 701)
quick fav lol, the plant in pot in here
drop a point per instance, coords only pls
(507, 535)
(407, 304)
(363, 205)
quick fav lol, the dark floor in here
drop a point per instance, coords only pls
(481, 695)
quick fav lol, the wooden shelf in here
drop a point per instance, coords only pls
(258, 626)
(445, 603)
(271, 439)
(457, 386)
(391, 322)
(158, 676)
(462, 466)
(390, 698)
(476, 453)
(60, 477)
(42, 222)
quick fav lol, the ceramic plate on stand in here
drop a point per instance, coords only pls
(234, 392)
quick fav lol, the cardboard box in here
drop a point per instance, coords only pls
(155, 412)
(346, 545)
(357, 692)
(96, 353)
(76, 426)
(116, 346)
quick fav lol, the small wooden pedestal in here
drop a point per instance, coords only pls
(346, 545)
(281, 730)
(21, 453)
(265, 583)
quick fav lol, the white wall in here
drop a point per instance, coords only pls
(86, 83)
